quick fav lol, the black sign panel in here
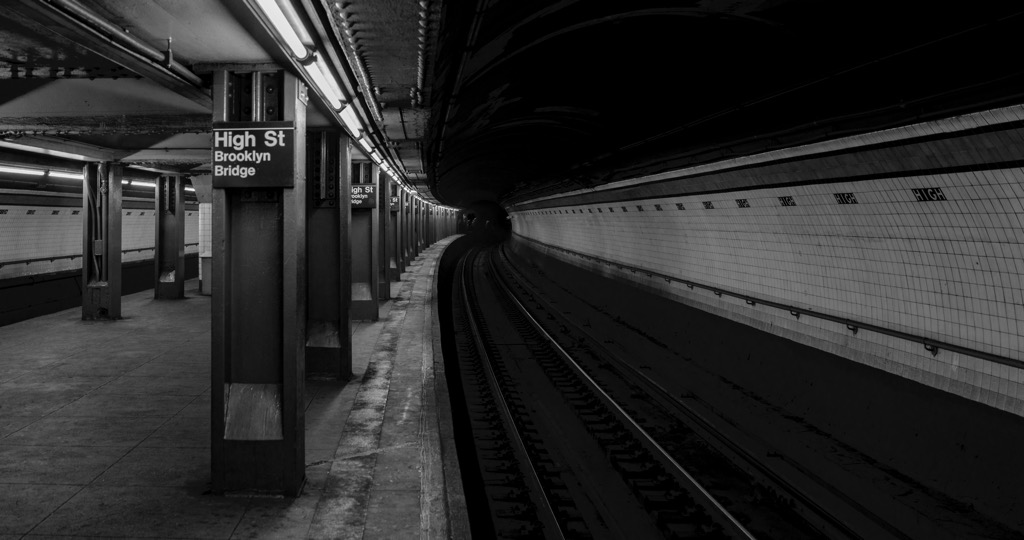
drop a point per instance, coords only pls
(394, 204)
(364, 196)
(253, 154)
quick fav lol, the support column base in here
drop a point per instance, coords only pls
(101, 303)
(365, 310)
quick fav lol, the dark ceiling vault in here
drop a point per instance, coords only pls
(534, 97)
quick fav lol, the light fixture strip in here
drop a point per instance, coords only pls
(283, 27)
(319, 73)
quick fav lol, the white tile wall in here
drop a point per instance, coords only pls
(32, 232)
(946, 270)
(205, 233)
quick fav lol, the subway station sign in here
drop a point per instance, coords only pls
(394, 204)
(364, 196)
(253, 154)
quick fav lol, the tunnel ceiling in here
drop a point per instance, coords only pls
(535, 97)
(507, 100)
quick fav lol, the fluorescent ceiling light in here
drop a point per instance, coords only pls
(139, 183)
(324, 80)
(348, 116)
(22, 170)
(62, 174)
(283, 27)
(365, 144)
(190, 188)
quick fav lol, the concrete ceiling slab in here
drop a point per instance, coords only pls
(533, 97)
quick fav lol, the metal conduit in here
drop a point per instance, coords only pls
(85, 17)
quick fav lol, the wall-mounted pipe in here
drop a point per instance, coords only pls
(84, 16)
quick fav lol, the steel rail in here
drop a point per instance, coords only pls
(710, 499)
(492, 380)
(712, 431)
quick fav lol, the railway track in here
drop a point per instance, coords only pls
(576, 448)
(778, 501)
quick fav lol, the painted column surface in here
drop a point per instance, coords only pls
(101, 241)
(258, 283)
(328, 328)
(365, 240)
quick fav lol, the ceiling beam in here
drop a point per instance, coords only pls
(125, 51)
(170, 155)
(63, 149)
(135, 124)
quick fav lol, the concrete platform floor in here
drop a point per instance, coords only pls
(105, 429)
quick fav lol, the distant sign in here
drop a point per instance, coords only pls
(845, 198)
(364, 196)
(394, 204)
(929, 194)
(253, 154)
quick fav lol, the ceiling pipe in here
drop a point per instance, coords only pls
(86, 17)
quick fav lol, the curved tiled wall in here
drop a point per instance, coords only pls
(918, 230)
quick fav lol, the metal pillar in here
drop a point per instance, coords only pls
(422, 236)
(396, 257)
(431, 225)
(383, 234)
(203, 184)
(328, 212)
(365, 241)
(259, 293)
(417, 226)
(407, 255)
(169, 257)
(101, 241)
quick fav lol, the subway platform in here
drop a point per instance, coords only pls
(105, 429)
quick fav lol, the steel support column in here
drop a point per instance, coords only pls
(431, 225)
(417, 227)
(203, 185)
(383, 234)
(101, 241)
(407, 229)
(328, 212)
(423, 227)
(395, 236)
(365, 239)
(169, 257)
(259, 299)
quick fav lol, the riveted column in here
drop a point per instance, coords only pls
(383, 232)
(203, 184)
(427, 225)
(169, 258)
(423, 227)
(101, 241)
(431, 225)
(365, 241)
(417, 226)
(259, 282)
(407, 255)
(395, 238)
(328, 212)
